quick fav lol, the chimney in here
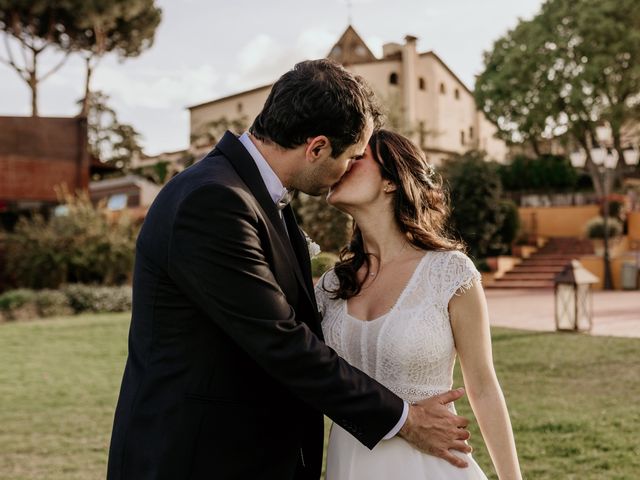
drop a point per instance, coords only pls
(409, 80)
(389, 49)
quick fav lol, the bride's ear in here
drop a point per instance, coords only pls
(389, 187)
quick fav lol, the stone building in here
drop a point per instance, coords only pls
(423, 98)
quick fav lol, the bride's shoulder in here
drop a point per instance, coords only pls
(452, 271)
(447, 259)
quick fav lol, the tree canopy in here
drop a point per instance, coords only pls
(92, 28)
(573, 67)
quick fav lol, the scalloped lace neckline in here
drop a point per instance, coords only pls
(345, 306)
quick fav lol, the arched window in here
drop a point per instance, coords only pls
(461, 137)
(470, 133)
(443, 89)
(239, 107)
(393, 78)
(422, 85)
(456, 94)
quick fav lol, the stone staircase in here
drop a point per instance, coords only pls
(539, 270)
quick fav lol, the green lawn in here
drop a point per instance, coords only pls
(573, 400)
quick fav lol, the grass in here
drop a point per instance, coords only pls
(573, 400)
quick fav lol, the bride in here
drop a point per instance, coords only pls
(400, 304)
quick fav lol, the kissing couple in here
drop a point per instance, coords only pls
(234, 356)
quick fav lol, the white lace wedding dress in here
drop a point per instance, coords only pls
(411, 351)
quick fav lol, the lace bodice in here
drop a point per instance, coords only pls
(410, 349)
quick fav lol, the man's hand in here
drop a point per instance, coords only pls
(432, 428)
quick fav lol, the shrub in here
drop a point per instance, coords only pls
(52, 303)
(89, 298)
(27, 304)
(85, 245)
(547, 173)
(19, 304)
(327, 226)
(508, 231)
(322, 262)
(475, 194)
(595, 227)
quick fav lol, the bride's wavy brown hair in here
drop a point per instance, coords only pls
(420, 207)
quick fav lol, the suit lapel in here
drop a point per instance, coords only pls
(244, 164)
(299, 243)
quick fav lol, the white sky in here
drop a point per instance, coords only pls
(205, 49)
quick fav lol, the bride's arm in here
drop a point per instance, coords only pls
(470, 323)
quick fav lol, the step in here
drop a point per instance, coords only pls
(530, 269)
(513, 275)
(544, 263)
(553, 256)
(519, 284)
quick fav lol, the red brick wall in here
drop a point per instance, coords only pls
(38, 154)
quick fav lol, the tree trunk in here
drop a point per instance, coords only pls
(591, 167)
(33, 85)
(535, 146)
(621, 166)
(84, 111)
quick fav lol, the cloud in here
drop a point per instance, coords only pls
(263, 59)
(158, 88)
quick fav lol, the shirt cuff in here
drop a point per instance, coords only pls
(403, 418)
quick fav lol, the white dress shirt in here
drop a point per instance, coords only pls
(277, 191)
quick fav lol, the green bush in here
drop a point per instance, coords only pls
(322, 262)
(24, 304)
(89, 298)
(19, 304)
(595, 227)
(508, 231)
(16, 298)
(85, 245)
(327, 226)
(475, 196)
(52, 303)
(545, 174)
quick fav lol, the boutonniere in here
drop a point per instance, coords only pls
(313, 247)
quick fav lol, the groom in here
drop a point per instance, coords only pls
(228, 376)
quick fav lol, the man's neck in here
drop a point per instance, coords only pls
(277, 158)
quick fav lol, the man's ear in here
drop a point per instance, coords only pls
(318, 148)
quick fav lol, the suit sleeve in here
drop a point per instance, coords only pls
(216, 256)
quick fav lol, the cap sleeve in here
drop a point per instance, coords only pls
(323, 288)
(458, 275)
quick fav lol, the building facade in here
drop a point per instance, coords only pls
(423, 98)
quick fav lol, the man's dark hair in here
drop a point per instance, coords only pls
(317, 97)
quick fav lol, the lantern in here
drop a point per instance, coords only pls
(573, 299)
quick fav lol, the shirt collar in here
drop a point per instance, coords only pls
(272, 182)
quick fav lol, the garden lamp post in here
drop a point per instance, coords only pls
(606, 161)
(573, 299)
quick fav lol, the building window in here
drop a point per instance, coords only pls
(461, 137)
(240, 106)
(443, 90)
(422, 85)
(456, 93)
(117, 201)
(470, 133)
(393, 78)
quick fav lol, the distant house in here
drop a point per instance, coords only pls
(130, 192)
(424, 97)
